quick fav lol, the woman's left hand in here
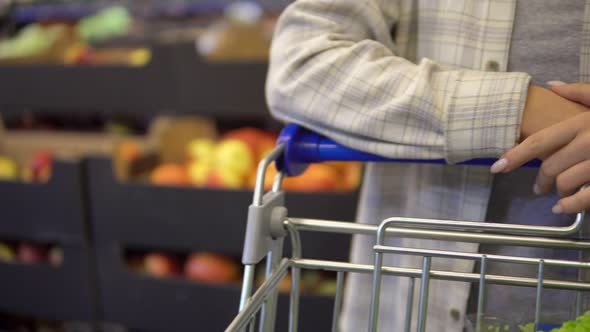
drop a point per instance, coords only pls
(565, 151)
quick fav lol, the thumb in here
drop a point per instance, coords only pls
(578, 92)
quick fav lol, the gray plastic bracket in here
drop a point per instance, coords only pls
(277, 218)
(265, 225)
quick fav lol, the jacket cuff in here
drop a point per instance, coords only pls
(484, 114)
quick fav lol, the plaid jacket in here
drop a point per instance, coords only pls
(406, 79)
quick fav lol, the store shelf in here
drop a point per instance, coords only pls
(148, 304)
(45, 211)
(163, 305)
(136, 215)
(34, 12)
(176, 81)
(47, 292)
(48, 213)
(178, 218)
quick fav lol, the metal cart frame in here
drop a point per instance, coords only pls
(269, 224)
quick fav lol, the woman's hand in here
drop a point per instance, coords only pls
(565, 150)
(545, 108)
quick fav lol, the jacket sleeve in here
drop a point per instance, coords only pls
(334, 69)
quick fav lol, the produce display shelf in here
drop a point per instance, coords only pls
(184, 219)
(27, 13)
(175, 81)
(54, 213)
(150, 304)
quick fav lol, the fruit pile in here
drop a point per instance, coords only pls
(111, 22)
(30, 253)
(213, 268)
(231, 163)
(37, 170)
(71, 43)
(227, 163)
(31, 40)
(203, 267)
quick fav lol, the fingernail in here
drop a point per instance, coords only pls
(537, 189)
(555, 83)
(557, 209)
(499, 166)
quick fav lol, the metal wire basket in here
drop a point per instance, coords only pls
(269, 224)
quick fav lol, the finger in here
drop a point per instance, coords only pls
(571, 154)
(536, 146)
(572, 179)
(578, 92)
(573, 204)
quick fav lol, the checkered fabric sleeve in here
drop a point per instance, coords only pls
(334, 69)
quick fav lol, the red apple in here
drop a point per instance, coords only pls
(40, 166)
(211, 268)
(30, 253)
(161, 265)
(80, 54)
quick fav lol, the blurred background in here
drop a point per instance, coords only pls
(130, 132)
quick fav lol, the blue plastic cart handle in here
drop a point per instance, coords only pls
(304, 147)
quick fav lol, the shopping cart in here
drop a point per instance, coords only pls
(269, 224)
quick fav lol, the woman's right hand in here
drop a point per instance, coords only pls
(564, 147)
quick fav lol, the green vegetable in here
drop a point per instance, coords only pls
(31, 40)
(530, 327)
(108, 23)
(580, 324)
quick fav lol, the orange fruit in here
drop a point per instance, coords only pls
(169, 175)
